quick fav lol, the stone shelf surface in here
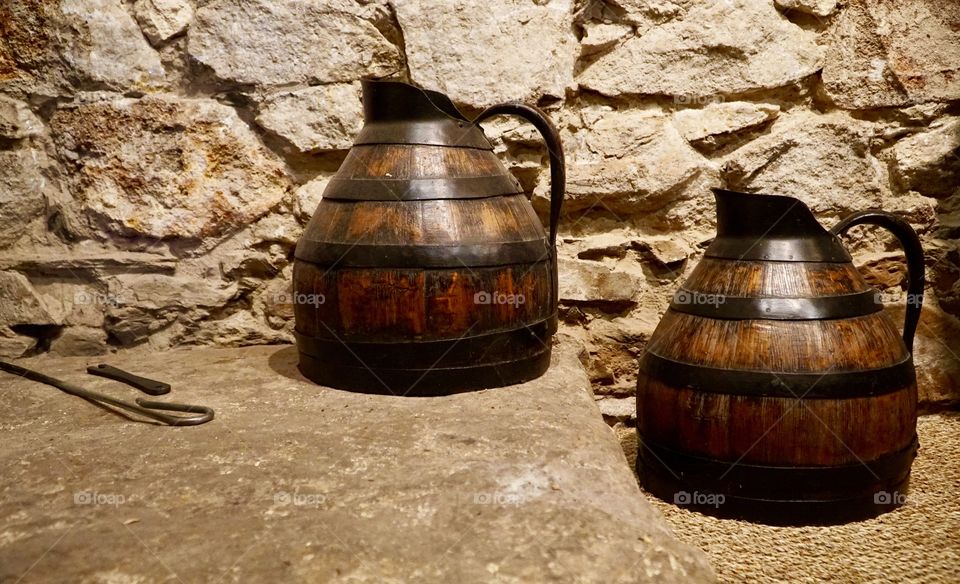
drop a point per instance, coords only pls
(296, 482)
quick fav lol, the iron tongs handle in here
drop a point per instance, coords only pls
(910, 242)
(142, 383)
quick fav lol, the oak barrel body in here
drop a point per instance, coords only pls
(775, 386)
(424, 269)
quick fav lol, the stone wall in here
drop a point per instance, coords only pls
(159, 158)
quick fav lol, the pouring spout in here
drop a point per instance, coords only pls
(395, 112)
(384, 99)
(774, 216)
(771, 227)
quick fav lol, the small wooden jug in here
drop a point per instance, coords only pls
(775, 386)
(425, 270)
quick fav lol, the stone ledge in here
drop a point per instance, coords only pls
(293, 481)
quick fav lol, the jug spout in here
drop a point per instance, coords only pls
(384, 99)
(395, 112)
(771, 227)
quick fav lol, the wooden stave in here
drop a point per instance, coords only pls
(492, 220)
(423, 233)
(442, 301)
(680, 343)
(480, 345)
(754, 278)
(812, 346)
(755, 430)
(413, 161)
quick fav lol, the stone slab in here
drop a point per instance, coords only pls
(297, 482)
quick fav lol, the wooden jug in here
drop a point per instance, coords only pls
(775, 386)
(425, 270)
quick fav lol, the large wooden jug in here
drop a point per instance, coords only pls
(775, 386)
(424, 270)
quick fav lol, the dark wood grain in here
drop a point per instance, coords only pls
(398, 161)
(764, 428)
(865, 342)
(776, 431)
(399, 305)
(452, 222)
(774, 279)
(395, 273)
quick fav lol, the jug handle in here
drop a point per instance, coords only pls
(558, 171)
(910, 242)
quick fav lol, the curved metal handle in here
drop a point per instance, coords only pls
(142, 383)
(910, 242)
(558, 169)
(206, 414)
(558, 178)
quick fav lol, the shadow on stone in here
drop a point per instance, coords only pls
(284, 362)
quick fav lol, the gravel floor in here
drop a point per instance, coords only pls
(919, 542)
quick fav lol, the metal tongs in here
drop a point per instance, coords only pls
(143, 407)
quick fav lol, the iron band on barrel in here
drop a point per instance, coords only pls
(432, 381)
(759, 383)
(433, 365)
(778, 250)
(455, 352)
(767, 482)
(423, 256)
(772, 308)
(448, 132)
(419, 189)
